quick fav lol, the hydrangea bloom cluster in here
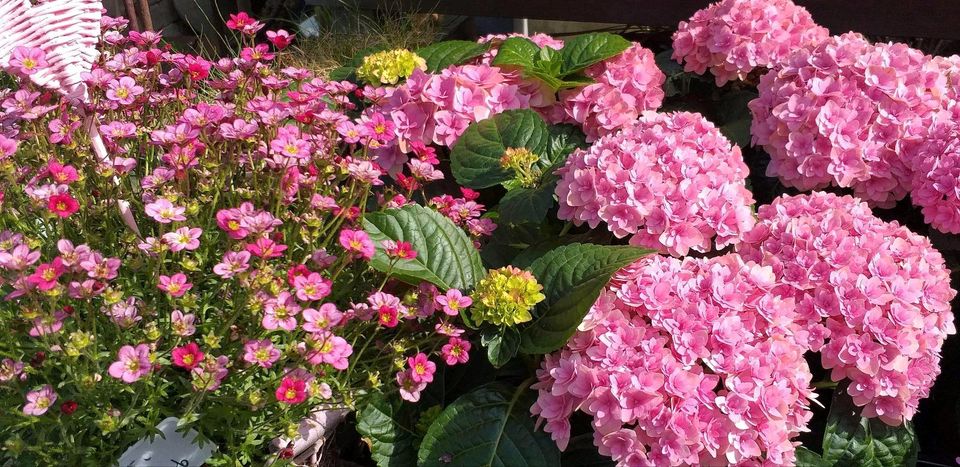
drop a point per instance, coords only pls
(506, 296)
(872, 297)
(626, 86)
(673, 181)
(936, 172)
(732, 38)
(683, 362)
(239, 279)
(437, 108)
(848, 113)
(389, 66)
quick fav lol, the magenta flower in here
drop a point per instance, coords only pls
(453, 301)
(325, 347)
(233, 263)
(244, 23)
(399, 250)
(132, 363)
(357, 242)
(63, 205)
(292, 390)
(62, 174)
(47, 274)
(184, 238)
(456, 351)
(280, 38)
(266, 248)
(28, 60)
(187, 356)
(312, 287)
(10, 369)
(124, 90)
(280, 313)
(260, 352)
(176, 285)
(421, 368)
(39, 400)
(98, 267)
(165, 212)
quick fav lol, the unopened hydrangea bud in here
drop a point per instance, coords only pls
(389, 66)
(521, 161)
(506, 296)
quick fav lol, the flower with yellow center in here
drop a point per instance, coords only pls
(389, 66)
(505, 297)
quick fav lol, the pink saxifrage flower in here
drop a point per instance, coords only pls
(260, 352)
(453, 302)
(40, 400)
(187, 356)
(176, 285)
(133, 363)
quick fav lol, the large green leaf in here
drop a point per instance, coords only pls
(501, 344)
(564, 139)
(572, 277)
(444, 54)
(445, 255)
(522, 205)
(516, 51)
(851, 439)
(808, 458)
(475, 157)
(391, 443)
(490, 426)
(586, 49)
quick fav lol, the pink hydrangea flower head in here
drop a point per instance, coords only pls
(679, 362)
(732, 38)
(848, 113)
(626, 86)
(871, 296)
(672, 181)
(936, 172)
(133, 363)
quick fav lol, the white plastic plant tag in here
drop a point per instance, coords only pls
(170, 450)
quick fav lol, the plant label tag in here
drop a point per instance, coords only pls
(171, 449)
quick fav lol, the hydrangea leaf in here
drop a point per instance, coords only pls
(521, 205)
(586, 49)
(502, 345)
(447, 53)
(564, 139)
(516, 51)
(475, 157)
(381, 424)
(445, 255)
(572, 277)
(851, 439)
(808, 458)
(490, 426)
